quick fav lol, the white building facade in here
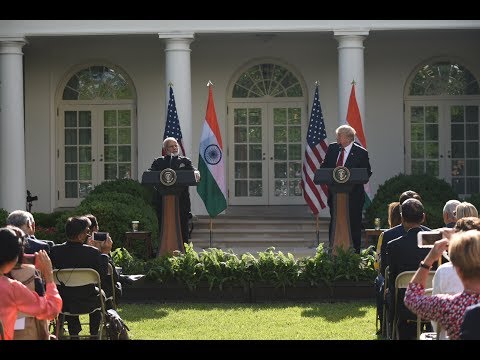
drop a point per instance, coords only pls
(84, 101)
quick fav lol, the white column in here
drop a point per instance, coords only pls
(350, 68)
(177, 72)
(13, 191)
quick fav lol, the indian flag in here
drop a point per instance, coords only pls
(212, 188)
(355, 120)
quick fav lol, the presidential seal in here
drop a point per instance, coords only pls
(168, 177)
(341, 174)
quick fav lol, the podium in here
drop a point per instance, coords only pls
(170, 183)
(340, 181)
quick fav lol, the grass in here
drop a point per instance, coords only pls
(279, 321)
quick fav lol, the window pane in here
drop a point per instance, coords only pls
(240, 152)
(85, 189)
(125, 171)
(124, 118)
(110, 153)
(280, 134)
(294, 134)
(71, 119)
(458, 168)
(125, 136)
(240, 134)
(294, 151)
(241, 188)
(240, 117)
(295, 170)
(85, 119)
(294, 188)
(472, 150)
(431, 132)
(417, 114)
(457, 132)
(71, 190)
(110, 118)
(417, 167)
(432, 167)
(71, 172)
(473, 186)
(417, 132)
(280, 116)
(254, 116)
(85, 153)
(70, 154)
(255, 152)
(124, 153)
(295, 116)
(70, 137)
(456, 114)
(85, 136)
(110, 136)
(281, 188)
(85, 171)
(255, 170)
(255, 134)
(280, 170)
(472, 168)
(458, 149)
(255, 188)
(471, 114)
(110, 171)
(472, 131)
(240, 170)
(417, 150)
(458, 185)
(431, 150)
(280, 152)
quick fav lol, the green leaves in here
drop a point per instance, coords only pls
(224, 268)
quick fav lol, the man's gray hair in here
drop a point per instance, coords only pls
(19, 218)
(450, 207)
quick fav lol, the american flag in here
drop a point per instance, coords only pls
(172, 125)
(315, 150)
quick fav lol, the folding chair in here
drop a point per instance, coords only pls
(401, 282)
(73, 277)
(113, 297)
(385, 327)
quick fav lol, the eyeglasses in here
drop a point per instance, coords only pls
(173, 146)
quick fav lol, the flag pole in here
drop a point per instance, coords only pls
(211, 224)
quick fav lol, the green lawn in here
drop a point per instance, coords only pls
(192, 321)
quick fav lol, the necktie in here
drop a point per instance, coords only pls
(340, 158)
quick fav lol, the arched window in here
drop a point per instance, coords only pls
(97, 82)
(267, 79)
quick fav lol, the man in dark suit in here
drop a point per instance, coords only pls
(348, 153)
(174, 161)
(75, 254)
(403, 254)
(396, 231)
(24, 220)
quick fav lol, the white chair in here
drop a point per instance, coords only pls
(113, 297)
(73, 277)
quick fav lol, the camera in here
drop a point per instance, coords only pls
(426, 239)
(100, 236)
(28, 259)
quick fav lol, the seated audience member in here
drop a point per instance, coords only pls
(24, 220)
(95, 227)
(446, 280)
(394, 219)
(449, 217)
(16, 297)
(465, 209)
(396, 231)
(403, 254)
(448, 310)
(470, 328)
(75, 254)
(29, 327)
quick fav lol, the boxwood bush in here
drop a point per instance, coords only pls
(474, 200)
(434, 192)
(3, 217)
(125, 186)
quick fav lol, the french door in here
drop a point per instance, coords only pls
(442, 139)
(265, 153)
(94, 143)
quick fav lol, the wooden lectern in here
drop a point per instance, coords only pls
(170, 183)
(340, 181)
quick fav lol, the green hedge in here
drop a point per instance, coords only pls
(434, 192)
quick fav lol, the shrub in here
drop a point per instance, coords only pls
(474, 200)
(3, 217)
(434, 192)
(125, 186)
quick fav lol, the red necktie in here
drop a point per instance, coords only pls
(340, 158)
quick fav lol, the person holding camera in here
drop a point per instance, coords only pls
(448, 310)
(75, 254)
(16, 297)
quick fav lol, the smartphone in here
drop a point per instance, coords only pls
(426, 239)
(28, 259)
(100, 236)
